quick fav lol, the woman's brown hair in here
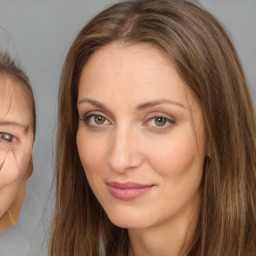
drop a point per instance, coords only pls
(208, 63)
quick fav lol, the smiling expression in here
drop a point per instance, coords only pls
(16, 141)
(141, 137)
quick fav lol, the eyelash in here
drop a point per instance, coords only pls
(4, 139)
(87, 118)
(167, 120)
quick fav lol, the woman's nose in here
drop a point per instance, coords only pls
(125, 153)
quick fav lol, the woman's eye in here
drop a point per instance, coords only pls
(99, 120)
(160, 122)
(6, 137)
(96, 120)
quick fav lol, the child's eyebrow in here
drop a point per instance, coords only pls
(13, 123)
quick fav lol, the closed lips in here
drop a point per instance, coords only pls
(127, 191)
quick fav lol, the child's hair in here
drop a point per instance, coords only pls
(10, 70)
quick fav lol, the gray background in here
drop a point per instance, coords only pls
(40, 33)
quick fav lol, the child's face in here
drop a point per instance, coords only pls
(16, 141)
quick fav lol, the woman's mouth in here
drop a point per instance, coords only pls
(127, 191)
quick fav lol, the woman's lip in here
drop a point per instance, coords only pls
(128, 191)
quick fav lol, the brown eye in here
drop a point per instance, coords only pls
(5, 137)
(160, 121)
(99, 119)
(96, 120)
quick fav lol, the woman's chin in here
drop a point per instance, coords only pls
(128, 221)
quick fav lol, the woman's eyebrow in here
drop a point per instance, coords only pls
(139, 107)
(158, 102)
(13, 123)
(92, 102)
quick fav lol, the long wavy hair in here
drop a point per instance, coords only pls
(206, 60)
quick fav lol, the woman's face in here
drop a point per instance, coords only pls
(16, 141)
(141, 137)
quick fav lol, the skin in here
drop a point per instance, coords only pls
(16, 141)
(123, 90)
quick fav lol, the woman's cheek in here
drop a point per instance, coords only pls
(91, 149)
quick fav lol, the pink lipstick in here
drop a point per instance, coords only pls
(127, 191)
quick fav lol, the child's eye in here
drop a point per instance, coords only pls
(6, 137)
